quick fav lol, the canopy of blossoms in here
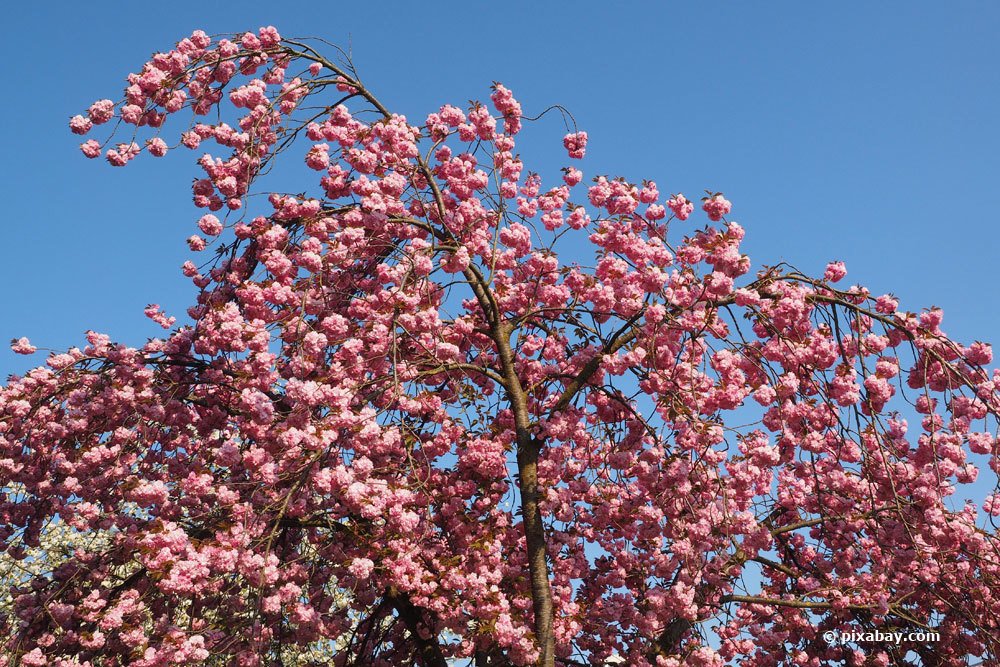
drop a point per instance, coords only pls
(405, 426)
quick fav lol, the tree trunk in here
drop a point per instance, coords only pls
(534, 537)
(429, 652)
(528, 449)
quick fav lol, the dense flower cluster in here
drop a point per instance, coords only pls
(404, 427)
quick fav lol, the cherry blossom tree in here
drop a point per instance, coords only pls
(431, 411)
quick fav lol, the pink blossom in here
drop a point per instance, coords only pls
(576, 144)
(34, 658)
(91, 148)
(191, 140)
(716, 206)
(157, 147)
(22, 346)
(269, 37)
(572, 176)
(154, 313)
(210, 225)
(649, 193)
(980, 354)
(132, 113)
(101, 112)
(656, 212)
(681, 207)
(835, 271)
(361, 568)
(250, 41)
(80, 125)
(886, 304)
(122, 154)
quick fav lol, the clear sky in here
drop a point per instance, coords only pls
(859, 131)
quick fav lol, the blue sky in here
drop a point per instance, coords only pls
(865, 132)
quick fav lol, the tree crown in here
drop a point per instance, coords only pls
(408, 425)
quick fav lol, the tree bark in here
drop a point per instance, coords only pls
(534, 537)
(528, 450)
(669, 640)
(429, 652)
